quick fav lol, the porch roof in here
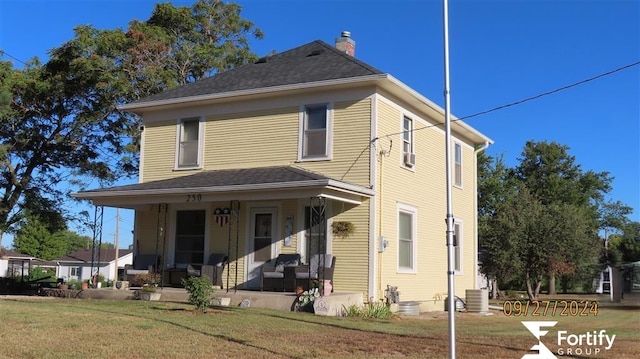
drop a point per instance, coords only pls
(261, 183)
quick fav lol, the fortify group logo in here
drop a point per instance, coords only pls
(589, 343)
(543, 351)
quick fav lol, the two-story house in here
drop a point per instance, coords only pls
(264, 158)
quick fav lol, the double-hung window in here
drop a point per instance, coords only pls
(458, 164)
(407, 218)
(316, 132)
(408, 155)
(407, 135)
(189, 143)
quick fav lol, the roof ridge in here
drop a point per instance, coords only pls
(354, 59)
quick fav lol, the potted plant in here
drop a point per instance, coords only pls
(342, 229)
(149, 292)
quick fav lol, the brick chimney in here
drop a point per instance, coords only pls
(345, 43)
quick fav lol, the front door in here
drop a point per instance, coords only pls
(262, 242)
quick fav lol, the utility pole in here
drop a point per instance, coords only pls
(117, 237)
(449, 219)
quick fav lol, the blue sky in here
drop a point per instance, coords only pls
(501, 52)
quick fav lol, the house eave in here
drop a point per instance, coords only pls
(349, 81)
(325, 187)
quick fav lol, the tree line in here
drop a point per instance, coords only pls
(544, 219)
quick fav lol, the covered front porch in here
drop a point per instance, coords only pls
(248, 215)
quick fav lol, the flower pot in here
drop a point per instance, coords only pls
(85, 285)
(149, 296)
(326, 287)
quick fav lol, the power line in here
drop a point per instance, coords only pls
(13, 57)
(552, 91)
(524, 100)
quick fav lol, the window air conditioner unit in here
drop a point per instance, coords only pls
(409, 159)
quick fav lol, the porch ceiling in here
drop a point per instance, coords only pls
(263, 183)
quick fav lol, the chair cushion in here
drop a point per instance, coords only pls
(305, 275)
(137, 271)
(316, 261)
(273, 275)
(287, 260)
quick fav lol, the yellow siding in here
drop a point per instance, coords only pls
(146, 234)
(289, 209)
(159, 151)
(267, 138)
(254, 139)
(352, 253)
(423, 188)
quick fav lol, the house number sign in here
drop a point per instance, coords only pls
(194, 197)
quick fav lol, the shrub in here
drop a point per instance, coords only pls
(372, 310)
(145, 279)
(200, 291)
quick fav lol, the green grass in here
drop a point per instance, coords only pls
(68, 328)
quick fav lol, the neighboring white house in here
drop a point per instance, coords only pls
(77, 265)
(14, 264)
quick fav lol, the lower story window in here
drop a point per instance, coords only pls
(406, 238)
(190, 235)
(75, 272)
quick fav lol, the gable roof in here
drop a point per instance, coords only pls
(9, 254)
(86, 255)
(312, 62)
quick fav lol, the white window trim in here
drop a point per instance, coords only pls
(459, 248)
(329, 139)
(459, 145)
(412, 140)
(413, 211)
(201, 136)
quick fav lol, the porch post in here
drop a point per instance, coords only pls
(232, 246)
(318, 220)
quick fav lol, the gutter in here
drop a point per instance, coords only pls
(332, 184)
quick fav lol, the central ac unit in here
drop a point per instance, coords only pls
(409, 159)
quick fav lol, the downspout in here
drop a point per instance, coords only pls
(475, 210)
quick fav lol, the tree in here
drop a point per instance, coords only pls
(495, 186)
(58, 121)
(552, 176)
(33, 238)
(544, 212)
(627, 244)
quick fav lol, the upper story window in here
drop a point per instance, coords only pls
(408, 154)
(189, 143)
(458, 164)
(315, 132)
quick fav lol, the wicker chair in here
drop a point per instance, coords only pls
(320, 267)
(142, 264)
(212, 269)
(279, 274)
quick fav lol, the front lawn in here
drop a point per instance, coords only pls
(68, 328)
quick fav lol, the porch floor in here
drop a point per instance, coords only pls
(269, 300)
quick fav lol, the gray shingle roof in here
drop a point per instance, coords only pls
(85, 255)
(231, 177)
(312, 62)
